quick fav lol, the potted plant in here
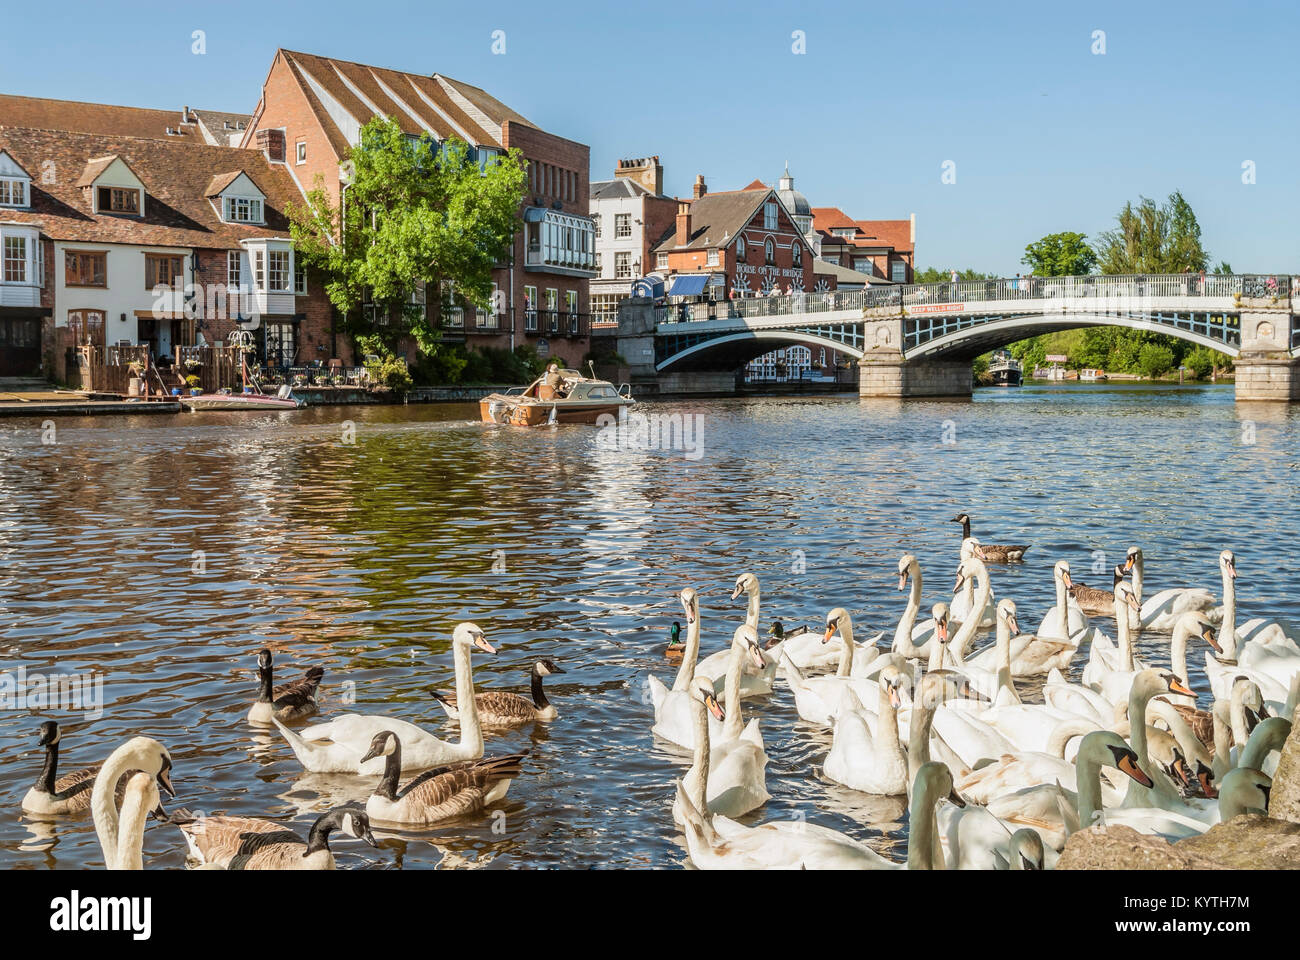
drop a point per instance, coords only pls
(193, 382)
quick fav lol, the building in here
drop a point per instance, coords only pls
(147, 245)
(880, 249)
(631, 215)
(737, 243)
(310, 115)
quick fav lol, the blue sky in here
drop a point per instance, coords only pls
(1044, 134)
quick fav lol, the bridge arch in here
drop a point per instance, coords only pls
(982, 335)
(733, 350)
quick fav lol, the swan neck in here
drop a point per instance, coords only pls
(1228, 631)
(686, 672)
(1137, 578)
(903, 634)
(700, 763)
(1063, 606)
(471, 733)
(1088, 782)
(135, 811)
(732, 725)
(923, 852)
(751, 611)
(846, 655)
(103, 800)
(972, 622)
(1178, 652)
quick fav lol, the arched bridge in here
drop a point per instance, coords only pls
(919, 339)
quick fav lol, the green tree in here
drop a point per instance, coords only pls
(1153, 238)
(1060, 255)
(417, 215)
(1223, 269)
(1154, 359)
(935, 275)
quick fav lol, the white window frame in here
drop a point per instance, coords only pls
(740, 248)
(259, 269)
(6, 259)
(713, 257)
(661, 261)
(286, 272)
(769, 215)
(232, 207)
(234, 270)
(622, 226)
(300, 153)
(299, 279)
(7, 185)
(622, 265)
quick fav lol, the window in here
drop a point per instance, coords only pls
(604, 307)
(259, 269)
(862, 264)
(302, 152)
(597, 263)
(796, 255)
(622, 225)
(163, 269)
(119, 200)
(623, 265)
(713, 257)
(740, 248)
(530, 308)
(835, 259)
(595, 219)
(898, 271)
(13, 193)
(86, 327)
(299, 280)
(243, 210)
(15, 260)
(769, 215)
(281, 349)
(849, 232)
(85, 268)
(571, 301)
(234, 270)
(769, 251)
(278, 271)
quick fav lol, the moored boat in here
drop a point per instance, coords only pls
(558, 396)
(1005, 369)
(284, 400)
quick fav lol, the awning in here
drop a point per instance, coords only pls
(688, 285)
(651, 286)
(534, 214)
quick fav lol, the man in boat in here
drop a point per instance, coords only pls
(552, 384)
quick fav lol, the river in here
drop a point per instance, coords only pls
(162, 552)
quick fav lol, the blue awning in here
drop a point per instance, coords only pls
(534, 214)
(688, 285)
(651, 286)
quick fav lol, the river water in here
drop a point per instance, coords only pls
(163, 552)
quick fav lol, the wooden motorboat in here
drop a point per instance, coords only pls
(576, 399)
(284, 400)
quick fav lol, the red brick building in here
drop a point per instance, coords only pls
(738, 242)
(884, 249)
(311, 113)
(160, 242)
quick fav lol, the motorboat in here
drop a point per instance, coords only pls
(1005, 369)
(575, 398)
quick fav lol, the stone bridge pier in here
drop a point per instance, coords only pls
(1265, 368)
(884, 372)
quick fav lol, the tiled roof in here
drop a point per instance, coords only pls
(616, 189)
(99, 118)
(717, 215)
(220, 181)
(93, 168)
(895, 234)
(215, 122)
(419, 103)
(176, 177)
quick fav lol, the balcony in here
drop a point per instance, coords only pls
(557, 323)
(559, 243)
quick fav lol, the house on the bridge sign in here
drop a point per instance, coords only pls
(735, 243)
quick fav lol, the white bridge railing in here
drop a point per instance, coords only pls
(959, 295)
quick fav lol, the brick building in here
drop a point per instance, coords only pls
(311, 112)
(159, 242)
(631, 214)
(883, 249)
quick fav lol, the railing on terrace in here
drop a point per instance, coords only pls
(937, 295)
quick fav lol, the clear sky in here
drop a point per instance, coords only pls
(1043, 133)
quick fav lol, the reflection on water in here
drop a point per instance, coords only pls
(163, 552)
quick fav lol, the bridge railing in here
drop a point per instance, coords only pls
(1116, 288)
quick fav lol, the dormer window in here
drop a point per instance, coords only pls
(118, 200)
(243, 210)
(13, 192)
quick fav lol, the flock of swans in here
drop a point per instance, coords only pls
(454, 778)
(992, 780)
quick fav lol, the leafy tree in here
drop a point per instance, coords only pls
(1060, 255)
(1223, 269)
(417, 215)
(935, 275)
(1154, 359)
(1153, 238)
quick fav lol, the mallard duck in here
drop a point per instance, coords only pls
(676, 645)
(778, 633)
(501, 709)
(295, 700)
(992, 552)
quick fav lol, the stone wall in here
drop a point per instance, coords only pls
(895, 377)
(1267, 376)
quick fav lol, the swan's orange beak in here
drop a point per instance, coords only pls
(941, 630)
(894, 699)
(1067, 580)
(481, 642)
(1128, 563)
(756, 656)
(1207, 788)
(1177, 686)
(715, 708)
(979, 552)
(1208, 636)
(1014, 625)
(830, 632)
(1128, 765)
(902, 581)
(164, 779)
(1180, 768)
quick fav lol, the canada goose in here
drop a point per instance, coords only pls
(121, 836)
(1095, 602)
(439, 794)
(993, 552)
(294, 700)
(251, 843)
(501, 709)
(70, 793)
(337, 745)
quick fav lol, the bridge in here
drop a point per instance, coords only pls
(920, 339)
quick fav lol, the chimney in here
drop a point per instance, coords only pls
(185, 114)
(683, 222)
(700, 188)
(911, 233)
(646, 171)
(271, 143)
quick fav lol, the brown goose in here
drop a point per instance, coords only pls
(251, 843)
(1094, 602)
(70, 793)
(500, 709)
(294, 700)
(438, 794)
(992, 552)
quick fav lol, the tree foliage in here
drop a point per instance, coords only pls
(418, 215)
(1060, 255)
(1153, 238)
(935, 275)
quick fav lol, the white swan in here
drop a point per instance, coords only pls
(1020, 654)
(729, 778)
(868, 760)
(717, 843)
(818, 651)
(673, 713)
(912, 640)
(744, 653)
(1114, 684)
(1106, 660)
(122, 836)
(1161, 611)
(338, 745)
(1052, 625)
(1025, 769)
(1223, 670)
(819, 699)
(964, 599)
(754, 682)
